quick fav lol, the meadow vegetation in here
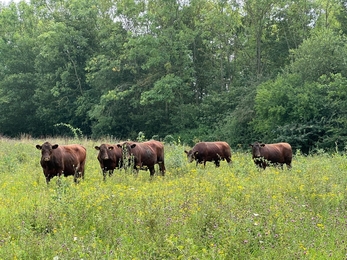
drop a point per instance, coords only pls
(236, 212)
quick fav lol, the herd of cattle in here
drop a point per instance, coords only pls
(67, 160)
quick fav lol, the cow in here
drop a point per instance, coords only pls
(67, 160)
(109, 157)
(203, 152)
(143, 155)
(272, 154)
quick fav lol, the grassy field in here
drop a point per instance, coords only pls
(235, 212)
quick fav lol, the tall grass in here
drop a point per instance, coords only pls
(236, 212)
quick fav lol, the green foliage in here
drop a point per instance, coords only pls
(169, 139)
(341, 16)
(17, 74)
(164, 90)
(141, 137)
(76, 132)
(198, 70)
(309, 61)
(305, 105)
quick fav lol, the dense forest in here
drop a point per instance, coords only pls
(192, 70)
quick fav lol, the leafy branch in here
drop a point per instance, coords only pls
(77, 133)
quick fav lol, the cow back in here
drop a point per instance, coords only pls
(74, 156)
(146, 154)
(280, 152)
(158, 148)
(210, 151)
(142, 153)
(274, 153)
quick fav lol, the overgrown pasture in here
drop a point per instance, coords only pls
(236, 212)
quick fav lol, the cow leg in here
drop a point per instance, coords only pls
(264, 165)
(151, 171)
(217, 163)
(162, 168)
(59, 178)
(228, 159)
(136, 170)
(75, 177)
(76, 174)
(81, 168)
(104, 172)
(79, 173)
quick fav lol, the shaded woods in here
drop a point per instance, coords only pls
(197, 70)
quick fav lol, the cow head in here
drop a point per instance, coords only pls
(46, 150)
(191, 155)
(256, 149)
(103, 148)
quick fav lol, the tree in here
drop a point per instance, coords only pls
(66, 41)
(341, 16)
(306, 104)
(17, 74)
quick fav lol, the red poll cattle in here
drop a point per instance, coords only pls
(209, 151)
(67, 160)
(143, 155)
(109, 157)
(267, 154)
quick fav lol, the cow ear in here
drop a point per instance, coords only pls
(133, 145)
(97, 148)
(119, 146)
(39, 147)
(55, 146)
(251, 145)
(186, 151)
(196, 153)
(262, 145)
(110, 147)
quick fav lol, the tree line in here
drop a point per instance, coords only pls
(195, 70)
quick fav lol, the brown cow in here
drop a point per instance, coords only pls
(277, 154)
(209, 151)
(144, 155)
(109, 157)
(57, 160)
